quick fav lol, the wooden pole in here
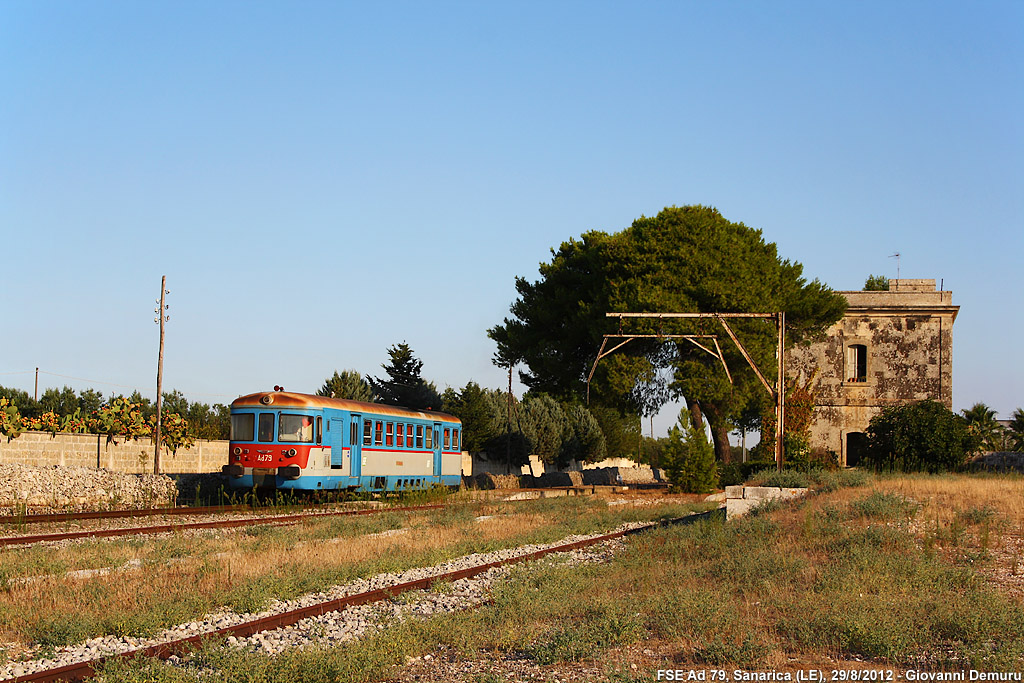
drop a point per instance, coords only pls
(780, 391)
(36, 397)
(160, 318)
(508, 431)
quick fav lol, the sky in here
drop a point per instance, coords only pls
(321, 180)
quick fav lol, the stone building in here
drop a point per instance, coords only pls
(892, 347)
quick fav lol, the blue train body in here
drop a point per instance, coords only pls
(284, 440)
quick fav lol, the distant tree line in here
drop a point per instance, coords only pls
(67, 410)
(499, 426)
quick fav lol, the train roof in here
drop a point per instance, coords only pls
(288, 399)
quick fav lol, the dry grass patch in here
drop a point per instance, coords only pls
(188, 575)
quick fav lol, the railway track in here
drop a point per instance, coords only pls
(83, 670)
(308, 512)
(216, 524)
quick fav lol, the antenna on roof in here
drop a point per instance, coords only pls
(897, 257)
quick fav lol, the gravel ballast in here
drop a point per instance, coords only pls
(334, 627)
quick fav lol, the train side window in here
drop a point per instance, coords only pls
(353, 432)
(367, 433)
(266, 430)
(430, 438)
(455, 439)
(400, 434)
(320, 429)
(419, 436)
(378, 433)
(408, 435)
(389, 432)
(447, 439)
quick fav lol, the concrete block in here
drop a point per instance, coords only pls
(761, 492)
(734, 492)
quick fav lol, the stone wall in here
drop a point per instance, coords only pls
(25, 488)
(42, 449)
(906, 336)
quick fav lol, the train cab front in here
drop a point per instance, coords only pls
(271, 443)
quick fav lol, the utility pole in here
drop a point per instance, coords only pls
(161, 318)
(36, 396)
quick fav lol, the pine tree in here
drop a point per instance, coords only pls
(690, 458)
(347, 384)
(404, 386)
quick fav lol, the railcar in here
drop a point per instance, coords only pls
(286, 440)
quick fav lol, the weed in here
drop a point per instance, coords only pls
(748, 652)
(884, 506)
(783, 479)
(585, 637)
(61, 629)
(977, 515)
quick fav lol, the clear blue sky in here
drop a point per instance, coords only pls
(320, 180)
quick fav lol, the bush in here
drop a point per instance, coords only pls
(924, 436)
(736, 473)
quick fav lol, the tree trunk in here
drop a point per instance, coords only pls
(719, 433)
(695, 412)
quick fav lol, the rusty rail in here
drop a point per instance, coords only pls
(220, 524)
(83, 670)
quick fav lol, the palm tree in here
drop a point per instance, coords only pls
(1016, 430)
(981, 421)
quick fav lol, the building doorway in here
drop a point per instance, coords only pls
(856, 445)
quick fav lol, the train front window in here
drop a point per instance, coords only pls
(295, 428)
(266, 430)
(243, 427)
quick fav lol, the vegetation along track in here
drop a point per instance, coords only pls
(82, 670)
(216, 524)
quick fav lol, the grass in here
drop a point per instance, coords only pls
(844, 576)
(185, 576)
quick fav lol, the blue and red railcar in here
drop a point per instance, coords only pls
(286, 440)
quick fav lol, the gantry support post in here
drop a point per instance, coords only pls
(778, 393)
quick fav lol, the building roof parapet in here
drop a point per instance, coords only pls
(917, 296)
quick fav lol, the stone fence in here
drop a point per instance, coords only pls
(42, 449)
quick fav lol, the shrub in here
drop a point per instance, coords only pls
(923, 436)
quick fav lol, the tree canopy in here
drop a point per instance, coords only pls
(403, 385)
(983, 426)
(686, 259)
(347, 384)
(876, 283)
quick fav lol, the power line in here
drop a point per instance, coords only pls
(109, 384)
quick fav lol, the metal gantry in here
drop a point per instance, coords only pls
(777, 392)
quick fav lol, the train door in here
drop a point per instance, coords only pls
(355, 442)
(437, 449)
(339, 461)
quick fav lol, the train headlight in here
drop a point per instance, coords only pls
(237, 451)
(292, 451)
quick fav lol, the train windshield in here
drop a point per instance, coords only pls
(243, 427)
(295, 428)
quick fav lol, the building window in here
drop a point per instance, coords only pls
(856, 363)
